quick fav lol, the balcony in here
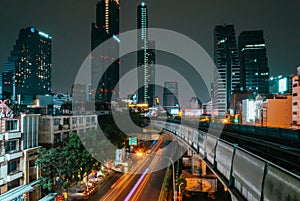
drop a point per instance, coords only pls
(1, 160)
(1, 182)
(11, 156)
(14, 176)
(12, 135)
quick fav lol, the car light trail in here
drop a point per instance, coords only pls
(136, 185)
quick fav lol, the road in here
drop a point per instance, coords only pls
(102, 189)
(145, 186)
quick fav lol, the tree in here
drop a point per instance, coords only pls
(62, 166)
(80, 160)
(56, 172)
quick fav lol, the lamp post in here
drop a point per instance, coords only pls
(173, 170)
(180, 188)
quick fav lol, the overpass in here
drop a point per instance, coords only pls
(246, 176)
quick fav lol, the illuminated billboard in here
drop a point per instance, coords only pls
(251, 111)
(282, 85)
(174, 111)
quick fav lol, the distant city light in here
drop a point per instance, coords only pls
(143, 4)
(32, 30)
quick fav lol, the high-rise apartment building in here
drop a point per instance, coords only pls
(227, 76)
(106, 27)
(254, 62)
(28, 70)
(145, 58)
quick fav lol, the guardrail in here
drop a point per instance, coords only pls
(290, 137)
(246, 175)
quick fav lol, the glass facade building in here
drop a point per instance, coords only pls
(227, 74)
(28, 70)
(254, 62)
(106, 28)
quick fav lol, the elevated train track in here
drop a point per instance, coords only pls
(247, 175)
(277, 145)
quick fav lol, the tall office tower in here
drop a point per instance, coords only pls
(28, 70)
(227, 64)
(254, 62)
(145, 58)
(170, 95)
(106, 27)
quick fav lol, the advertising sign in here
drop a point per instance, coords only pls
(132, 141)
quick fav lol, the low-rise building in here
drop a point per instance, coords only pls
(276, 112)
(18, 146)
(53, 130)
(269, 111)
(11, 171)
(30, 146)
(296, 100)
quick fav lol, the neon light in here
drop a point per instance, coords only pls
(256, 45)
(44, 35)
(116, 38)
(136, 185)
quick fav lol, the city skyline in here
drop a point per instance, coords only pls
(71, 33)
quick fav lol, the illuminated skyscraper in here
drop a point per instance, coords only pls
(28, 70)
(254, 62)
(145, 58)
(106, 27)
(227, 64)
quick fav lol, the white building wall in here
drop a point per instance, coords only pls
(296, 101)
(12, 133)
(53, 127)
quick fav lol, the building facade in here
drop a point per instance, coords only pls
(11, 170)
(280, 84)
(170, 94)
(227, 74)
(254, 62)
(30, 146)
(145, 58)
(18, 146)
(296, 99)
(54, 130)
(28, 70)
(106, 28)
(276, 112)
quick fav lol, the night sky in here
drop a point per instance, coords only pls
(69, 24)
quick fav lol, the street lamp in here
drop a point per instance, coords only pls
(180, 188)
(173, 169)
